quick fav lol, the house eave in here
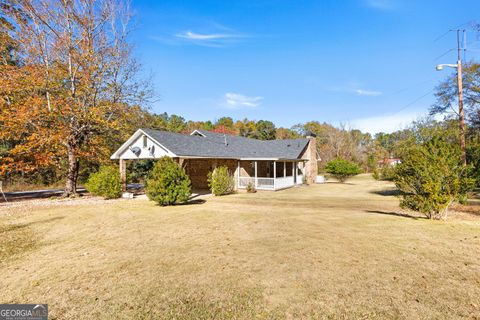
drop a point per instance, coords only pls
(117, 154)
(259, 159)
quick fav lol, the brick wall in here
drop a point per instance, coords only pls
(198, 169)
(311, 166)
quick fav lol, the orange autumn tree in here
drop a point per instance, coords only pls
(76, 88)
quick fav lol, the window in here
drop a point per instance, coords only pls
(145, 140)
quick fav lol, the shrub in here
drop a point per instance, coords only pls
(138, 170)
(342, 169)
(220, 181)
(473, 157)
(431, 177)
(386, 172)
(167, 183)
(251, 188)
(105, 183)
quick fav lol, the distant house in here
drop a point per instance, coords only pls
(268, 165)
(389, 162)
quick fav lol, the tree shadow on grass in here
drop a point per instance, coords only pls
(387, 192)
(340, 183)
(396, 214)
(194, 201)
(19, 239)
(191, 201)
(13, 227)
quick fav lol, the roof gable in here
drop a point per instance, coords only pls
(208, 144)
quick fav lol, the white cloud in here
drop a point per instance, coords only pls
(236, 101)
(368, 93)
(353, 87)
(381, 4)
(189, 35)
(385, 123)
(214, 39)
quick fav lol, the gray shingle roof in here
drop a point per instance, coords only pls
(213, 145)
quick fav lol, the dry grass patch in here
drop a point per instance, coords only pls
(324, 251)
(15, 239)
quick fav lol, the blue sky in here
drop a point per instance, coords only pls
(363, 63)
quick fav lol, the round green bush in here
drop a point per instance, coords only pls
(168, 183)
(342, 169)
(431, 177)
(105, 183)
(220, 181)
(385, 173)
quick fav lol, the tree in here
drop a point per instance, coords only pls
(8, 45)
(176, 123)
(432, 176)
(447, 99)
(265, 130)
(77, 85)
(167, 183)
(285, 133)
(207, 125)
(246, 128)
(224, 121)
(224, 130)
(342, 169)
(220, 181)
(341, 142)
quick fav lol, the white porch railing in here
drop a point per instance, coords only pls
(243, 182)
(262, 183)
(300, 179)
(285, 182)
(266, 183)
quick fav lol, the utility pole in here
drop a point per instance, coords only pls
(461, 113)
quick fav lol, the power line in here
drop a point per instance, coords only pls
(452, 29)
(413, 102)
(444, 54)
(441, 36)
(412, 86)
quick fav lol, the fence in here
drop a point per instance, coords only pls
(261, 183)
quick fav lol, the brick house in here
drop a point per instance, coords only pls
(268, 165)
(389, 162)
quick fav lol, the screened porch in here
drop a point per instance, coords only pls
(269, 175)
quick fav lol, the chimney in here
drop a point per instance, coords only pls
(310, 134)
(311, 166)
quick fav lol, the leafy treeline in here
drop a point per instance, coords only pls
(69, 85)
(71, 92)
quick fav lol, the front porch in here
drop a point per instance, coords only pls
(269, 175)
(260, 174)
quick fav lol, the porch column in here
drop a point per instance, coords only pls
(274, 173)
(181, 162)
(123, 174)
(256, 179)
(284, 169)
(237, 175)
(295, 171)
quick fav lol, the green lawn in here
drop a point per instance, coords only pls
(323, 251)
